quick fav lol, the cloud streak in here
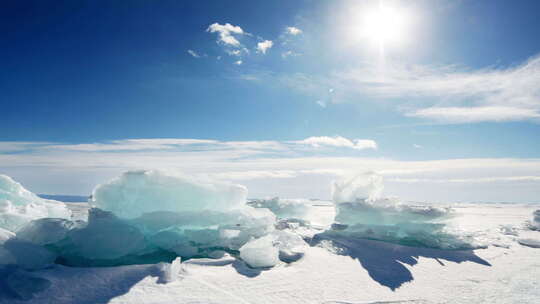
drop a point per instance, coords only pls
(338, 141)
(441, 93)
(303, 168)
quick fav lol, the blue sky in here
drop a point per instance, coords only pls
(453, 87)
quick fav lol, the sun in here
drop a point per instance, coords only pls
(384, 25)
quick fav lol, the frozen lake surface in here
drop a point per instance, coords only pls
(333, 271)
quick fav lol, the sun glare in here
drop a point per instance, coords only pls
(385, 25)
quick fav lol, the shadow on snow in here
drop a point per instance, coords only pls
(383, 260)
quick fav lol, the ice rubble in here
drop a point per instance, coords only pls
(152, 216)
(19, 206)
(535, 223)
(268, 250)
(23, 254)
(260, 252)
(301, 209)
(362, 212)
(170, 271)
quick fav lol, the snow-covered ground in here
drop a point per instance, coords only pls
(358, 248)
(333, 270)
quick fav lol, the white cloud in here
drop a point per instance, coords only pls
(262, 47)
(339, 141)
(226, 33)
(468, 180)
(475, 114)
(249, 175)
(19, 146)
(293, 30)
(448, 93)
(194, 54)
(417, 146)
(238, 62)
(293, 169)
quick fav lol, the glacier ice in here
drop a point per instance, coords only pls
(19, 206)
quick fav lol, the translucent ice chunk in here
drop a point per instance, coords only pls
(535, 223)
(260, 252)
(24, 254)
(169, 271)
(287, 208)
(137, 192)
(105, 237)
(46, 231)
(19, 206)
(365, 186)
(362, 212)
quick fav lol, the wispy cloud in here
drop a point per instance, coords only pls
(338, 141)
(288, 168)
(475, 114)
(193, 53)
(468, 180)
(289, 53)
(264, 46)
(443, 93)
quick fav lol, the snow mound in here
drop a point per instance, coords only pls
(362, 212)
(135, 193)
(19, 206)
